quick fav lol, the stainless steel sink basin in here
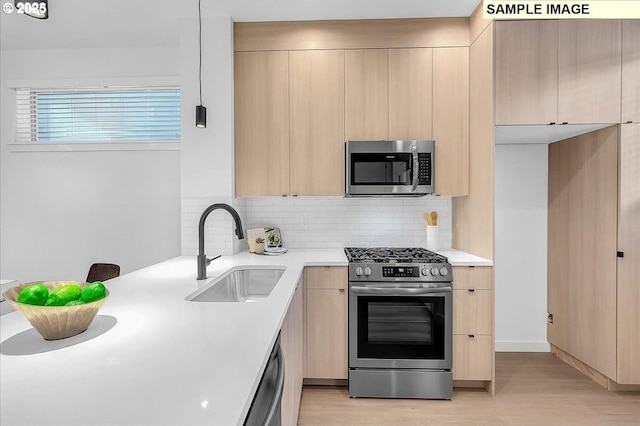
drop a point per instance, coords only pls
(239, 285)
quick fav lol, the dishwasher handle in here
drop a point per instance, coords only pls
(275, 404)
(399, 291)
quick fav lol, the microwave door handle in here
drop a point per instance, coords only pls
(416, 165)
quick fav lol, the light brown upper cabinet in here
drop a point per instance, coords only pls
(317, 122)
(564, 72)
(451, 119)
(526, 71)
(262, 123)
(366, 94)
(410, 94)
(589, 71)
(631, 71)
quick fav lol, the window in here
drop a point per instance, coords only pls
(97, 115)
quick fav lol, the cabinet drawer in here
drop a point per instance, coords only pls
(472, 311)
(326, 276)
(476, 277)
(472, 357)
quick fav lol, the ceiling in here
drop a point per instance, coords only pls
(126, 23)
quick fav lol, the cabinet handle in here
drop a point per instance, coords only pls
(629, 121)
(472, 335)
(341, 290)
(552, 123)
(565, 122)
(284, 195)
(471, 290)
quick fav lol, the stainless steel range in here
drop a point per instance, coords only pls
(400, 331)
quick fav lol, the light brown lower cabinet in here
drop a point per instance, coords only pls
(326, 322)
(473, 324)
(292, 343)
(472, 355)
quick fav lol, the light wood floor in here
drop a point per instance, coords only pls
(531, 388)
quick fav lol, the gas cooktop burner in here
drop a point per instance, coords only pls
(393, 255)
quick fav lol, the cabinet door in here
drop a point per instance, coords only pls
(472, 357)
(366, 94)
(472, 311)
(410, 94)
(317, 122)
(326, 320)
(261, 123)
(629, 265)
(526, 71)
(451, 120)
(631, 70)
(292, 343)
(589, 71)
(583, 233)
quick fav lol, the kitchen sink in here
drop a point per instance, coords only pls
(243, 284)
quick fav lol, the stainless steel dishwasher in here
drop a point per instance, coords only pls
(265, 408)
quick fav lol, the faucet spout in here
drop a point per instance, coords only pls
(202, 258)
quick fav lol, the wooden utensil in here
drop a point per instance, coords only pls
(434, 218)
(427, 217)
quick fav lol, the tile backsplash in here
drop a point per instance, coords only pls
(317, 222)
(219, 229)
(336, 222)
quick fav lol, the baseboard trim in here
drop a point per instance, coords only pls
(324, 382)
(591, 373)
(583, 368)
(522, 346)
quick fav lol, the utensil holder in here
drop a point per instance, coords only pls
(432, 237)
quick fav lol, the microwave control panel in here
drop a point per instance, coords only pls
(424, 169)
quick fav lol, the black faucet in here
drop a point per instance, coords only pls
(202, 258)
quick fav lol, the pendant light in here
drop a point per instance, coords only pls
(201, 111)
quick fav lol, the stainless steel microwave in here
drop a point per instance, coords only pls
(389, 168)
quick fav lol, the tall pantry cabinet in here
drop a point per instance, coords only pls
(552, 73)
(628, 321)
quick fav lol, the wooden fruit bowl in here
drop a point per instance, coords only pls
(56, 322)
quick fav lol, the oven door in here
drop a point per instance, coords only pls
(400, 326)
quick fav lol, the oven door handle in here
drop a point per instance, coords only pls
(395, 291)
(416, 167)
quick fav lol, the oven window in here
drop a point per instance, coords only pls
(401, 327)
(381, 169)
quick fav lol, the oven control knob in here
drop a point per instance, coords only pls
(444, 271)
(367, 271)
(358, 271)
(435, 272)
(425, 272)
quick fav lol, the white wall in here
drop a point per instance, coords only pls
(62, 211)
(207, 164)
(521, 248)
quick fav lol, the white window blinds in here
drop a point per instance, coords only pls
(97, 115)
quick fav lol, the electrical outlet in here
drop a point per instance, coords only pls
(304, 220)
(550, 318)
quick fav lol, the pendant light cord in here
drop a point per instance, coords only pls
(200, 48)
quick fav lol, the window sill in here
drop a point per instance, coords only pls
(94, 146)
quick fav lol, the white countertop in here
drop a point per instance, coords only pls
(150, 357)
(461, 258)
